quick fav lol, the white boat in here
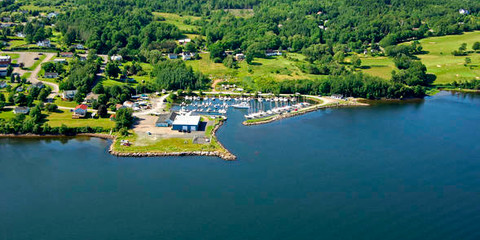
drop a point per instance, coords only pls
(243, 105)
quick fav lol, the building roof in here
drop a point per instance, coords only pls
(3, 58)
(168, 116)
(81, 106)
(187, 120)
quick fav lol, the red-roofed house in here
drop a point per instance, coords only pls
(80, 111)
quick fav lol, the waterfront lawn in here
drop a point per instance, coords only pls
(62, 116)
(164, 145)
(448, 68)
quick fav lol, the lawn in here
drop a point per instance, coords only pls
(275, 68)
(56, 119)
(378, 66)
(61, 103)
(178, 20)
(448, 68)
(7, 114)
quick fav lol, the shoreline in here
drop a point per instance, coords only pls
(278, 117)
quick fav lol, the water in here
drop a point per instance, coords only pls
(389, 171)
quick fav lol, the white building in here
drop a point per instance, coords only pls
(116, 58)
(44, 43)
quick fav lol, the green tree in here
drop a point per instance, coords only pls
(124, 118)
(476, 46)
(356, 61)
(112, 70)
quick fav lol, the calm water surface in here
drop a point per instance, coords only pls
(389, 171)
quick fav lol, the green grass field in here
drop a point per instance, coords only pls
(448, 68)
(61, 103)
(275, 68)
(378, 66)
(178, 20)
(56, 119)
(7, 114)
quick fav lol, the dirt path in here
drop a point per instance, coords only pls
(214, 84)
(34, 76)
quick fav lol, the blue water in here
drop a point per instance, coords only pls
(388, 171)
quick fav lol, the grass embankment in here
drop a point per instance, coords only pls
(150, 144)
(7, 114)
(261, 119)
(59, 102)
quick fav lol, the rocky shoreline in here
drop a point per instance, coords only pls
(226, 155)
(308, 110)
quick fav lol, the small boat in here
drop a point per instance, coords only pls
(243, 105)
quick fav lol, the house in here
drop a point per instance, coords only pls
(50, 75)
(21, 35)
(44, 43)
(5, 61)
(116, 58)
(69, 94)
(3, 71)
(463, 11)
(270, 53)
(184, 41)
(36, 85)
(79, 47)
(118, 106)
(19, 89)
(66, 54)
(52, 15)
(80, 111)
(21, 110)
(60, 60)
(166, 120)
(187, 56)
(186, 123)
(239, 56)
(7, 24)
(91, 97)
(128, 104)
(172, 56)
(3, 84)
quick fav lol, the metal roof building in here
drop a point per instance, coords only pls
(186, 123)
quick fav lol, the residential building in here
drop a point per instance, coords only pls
(3, 84)
(186, 123)
(184, 41)
(3, 71)
(166, 120)
(50, 75)
(239, 56)
(116, 58)
(69, 94)
(91, 97)
(80, 46)
(80, 111)
(60, 60)
(270, 53)
(66, 54)
(5, 61)
(44, 43)
(172, 56)
(21, 110)
(187, 56)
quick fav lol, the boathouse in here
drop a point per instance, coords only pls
(166, 120)
(186, 123)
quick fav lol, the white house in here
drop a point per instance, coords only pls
(44, 43)
(21, 110)
(184, 41)
(270, 53)
(79, 46)
(116, 58)
(239, 56)
(187, 56)
(52, 15)
(463, 11)
(60, 60)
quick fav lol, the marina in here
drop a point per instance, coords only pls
(259, 107)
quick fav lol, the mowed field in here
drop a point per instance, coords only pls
(179, 20)
(378, 66)
(448, 68)
(275, 68)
